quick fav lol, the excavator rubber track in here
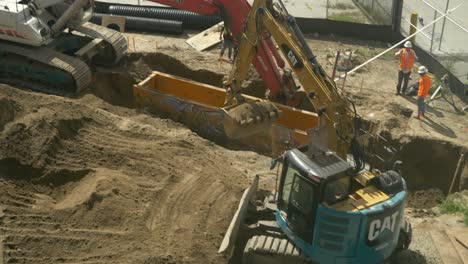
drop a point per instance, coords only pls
(47, 70)
(116, 43)
(263, 249)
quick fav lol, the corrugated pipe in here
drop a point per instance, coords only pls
(147, 24)
(100, 7)
(190, 19)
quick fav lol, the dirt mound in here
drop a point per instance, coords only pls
(425, 199)
(84, 181)
(37, 134)
(8, 111)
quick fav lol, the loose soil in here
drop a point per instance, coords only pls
(86, 180)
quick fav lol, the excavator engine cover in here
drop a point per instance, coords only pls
(249, 118)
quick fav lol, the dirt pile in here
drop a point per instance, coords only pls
(84, 181)
(8, 111)
(425, 199)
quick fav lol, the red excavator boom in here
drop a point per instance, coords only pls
(267, 61)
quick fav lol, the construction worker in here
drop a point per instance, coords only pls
(423, 89)
(407, 58)
(227, 42)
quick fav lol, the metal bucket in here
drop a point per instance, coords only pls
(249, 118)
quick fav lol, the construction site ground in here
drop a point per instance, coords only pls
(91, 180)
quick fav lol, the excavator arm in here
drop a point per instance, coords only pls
(266, 18)
(255, 27)
(266, 59)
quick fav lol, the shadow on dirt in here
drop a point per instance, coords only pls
(408, 256)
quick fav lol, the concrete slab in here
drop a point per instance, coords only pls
(459, 238)
(446, 249)
(463, 239)
(207, 38)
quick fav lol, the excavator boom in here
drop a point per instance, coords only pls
(243, 119)
(267, 60)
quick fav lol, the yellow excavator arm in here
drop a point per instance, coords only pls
(272, 20)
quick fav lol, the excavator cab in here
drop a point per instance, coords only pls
(330, 219)
(306, 182)
(321, 213)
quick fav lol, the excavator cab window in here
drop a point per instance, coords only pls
(298, 202)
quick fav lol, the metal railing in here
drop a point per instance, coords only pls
(446, 40)
(379, 11)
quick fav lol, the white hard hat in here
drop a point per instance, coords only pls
(408, 44)
(422, 69)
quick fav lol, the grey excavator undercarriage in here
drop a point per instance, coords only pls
(49, 45)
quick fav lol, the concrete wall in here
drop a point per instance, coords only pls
(362, 31)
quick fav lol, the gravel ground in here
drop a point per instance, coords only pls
(422, 250)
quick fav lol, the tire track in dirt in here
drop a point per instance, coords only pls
(27, 228)
(85, 182)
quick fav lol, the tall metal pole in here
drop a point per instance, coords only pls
(397, 9)
(413, 26)
(328, 3)
(443, 25)
(336, 64)
(433, 30)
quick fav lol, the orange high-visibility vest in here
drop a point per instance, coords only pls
(408, 62)
(424, 86)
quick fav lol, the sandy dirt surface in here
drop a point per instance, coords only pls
(85, 182)
(425, 216)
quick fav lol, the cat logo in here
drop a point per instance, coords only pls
(378, 226)
(292, 57)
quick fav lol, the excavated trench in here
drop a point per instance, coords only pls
(427, 163)
(432, 163)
